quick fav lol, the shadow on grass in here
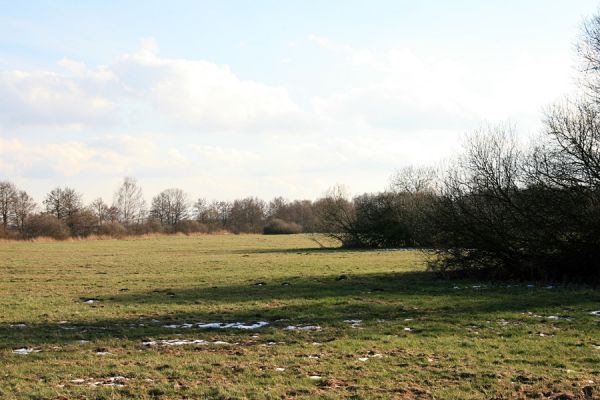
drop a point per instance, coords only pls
(322, 250)
(324, 300)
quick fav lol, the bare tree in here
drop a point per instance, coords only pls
(8, 191)
(247, 215)
(413, 179)
(569, 157)
(336, 216)
(23, 207)
(589, 52)
(103, 212)
(170, 207)
(130, 203)
(63, 203)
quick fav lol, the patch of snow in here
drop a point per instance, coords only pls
(218, 325)
(363, 359)
(279, 369)
(20, 326)
(596, 313)
(354, 323)
(303, 328)
(182, 342)
(408, 329)
(234, 325)
(25, 350)
(314, 377)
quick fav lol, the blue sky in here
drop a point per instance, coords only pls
(233, 98)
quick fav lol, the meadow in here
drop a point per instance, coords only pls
(147, 318)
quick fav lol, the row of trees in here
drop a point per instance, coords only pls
(62, 213)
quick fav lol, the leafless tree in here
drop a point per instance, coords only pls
(247, 215)
(589, 52)
(8, 191)
(337, 217)
(23, 207)
(63, 203)
(413, 179)
(569, 155)
(130, 203)
(170, 207)
(103, 212)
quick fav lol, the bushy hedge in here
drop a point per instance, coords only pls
(280, 227)
(44, 225)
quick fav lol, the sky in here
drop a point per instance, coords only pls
(227, 99)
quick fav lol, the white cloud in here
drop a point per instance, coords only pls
(220, 156)
(202, 95)
(113, 155)
(193, 94)
(48, 99)
(409, 89)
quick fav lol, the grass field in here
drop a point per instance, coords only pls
(93, 319)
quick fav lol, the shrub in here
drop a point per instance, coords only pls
(113, 229)
(280, 227)
(187, 226)
(46, 225)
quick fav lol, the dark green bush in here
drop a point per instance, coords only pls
(280, 227)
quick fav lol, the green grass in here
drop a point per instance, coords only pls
(478, 343)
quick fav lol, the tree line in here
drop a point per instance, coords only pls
(63, 214)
